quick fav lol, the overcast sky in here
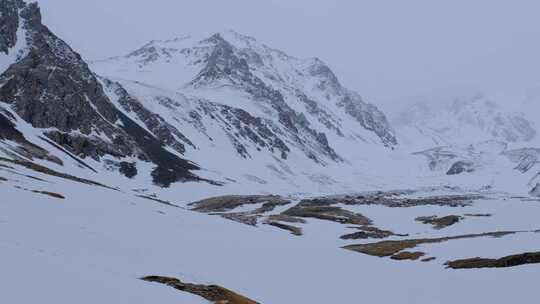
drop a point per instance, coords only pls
(386, 50)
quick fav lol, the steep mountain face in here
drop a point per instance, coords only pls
(232, 61)
(232, 94)
(181, 99)
(47, 85)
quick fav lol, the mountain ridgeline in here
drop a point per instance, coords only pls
(175, 100)
(224, 109)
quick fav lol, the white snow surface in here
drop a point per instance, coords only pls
(93, 246)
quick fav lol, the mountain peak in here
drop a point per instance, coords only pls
(241, 63)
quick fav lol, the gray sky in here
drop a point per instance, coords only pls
(389, 51)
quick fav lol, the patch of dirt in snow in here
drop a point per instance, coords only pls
(230, 202)
(222, 205)
(440, 222)
(390, 248)
(507, 261)
(407, 255)
(370, 232)
(293, 229)
(48, 193)
(328, 213)
(390, 199)
(214, 293)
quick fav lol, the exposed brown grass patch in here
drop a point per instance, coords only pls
(389, 248)
(440, 222)
(369, 232)
(406, 255)
(507, 261)
(292, 229)
(391, 199)
(327, 213)
(286, 218)
(229, 202)
(213, 293)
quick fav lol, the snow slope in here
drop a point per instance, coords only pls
(274, 119)
(93, 246)
(472, 137)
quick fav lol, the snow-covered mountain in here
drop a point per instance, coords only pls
(164, 111)
(471, 136)
(271, 116)
(239, 67)
(54, 108)
(178, 99)
(464, 121)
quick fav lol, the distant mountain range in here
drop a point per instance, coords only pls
(464, 121)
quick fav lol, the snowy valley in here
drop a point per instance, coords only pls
(221, 170)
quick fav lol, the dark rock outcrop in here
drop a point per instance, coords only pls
(240, 124)
(535, 191)
(9, 23)
(369, 117)
(525, 158)
(53, 88)
(128, 169)
(8, 131)
(224, 64)
(460, 167)
(162, 130)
